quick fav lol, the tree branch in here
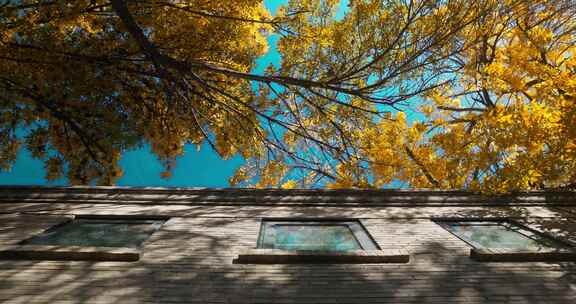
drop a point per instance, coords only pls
(423, 168)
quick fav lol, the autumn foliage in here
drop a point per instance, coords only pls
(427, 94)
(506, 121)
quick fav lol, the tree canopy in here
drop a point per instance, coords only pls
(423, 93)
(506, 121)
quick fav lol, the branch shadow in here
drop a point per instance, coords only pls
(190, 261)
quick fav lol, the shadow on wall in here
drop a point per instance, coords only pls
(184, 265)
(190, 261)
(236, 196)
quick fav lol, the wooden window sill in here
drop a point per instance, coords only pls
(275, 256)
(69, 253)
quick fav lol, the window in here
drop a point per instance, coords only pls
(98, 232)
(93, 238)
(315, 235)
(291, 241)
(502, 240)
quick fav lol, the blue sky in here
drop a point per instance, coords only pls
(202, 168)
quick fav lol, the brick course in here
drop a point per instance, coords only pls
(190, 259)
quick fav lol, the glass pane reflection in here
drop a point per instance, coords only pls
(98, 233)
(314, 237)
(338, 236)
(501, 235)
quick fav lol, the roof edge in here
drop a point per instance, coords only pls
(5, 188)
(277, 197)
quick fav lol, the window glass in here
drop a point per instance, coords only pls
(500, 235)
(315, 236)
(98, 233)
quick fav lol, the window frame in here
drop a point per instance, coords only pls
(280, 256)
(25, 251)
(566, 252)
(359, 232)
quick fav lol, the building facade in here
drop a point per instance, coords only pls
(249, 246)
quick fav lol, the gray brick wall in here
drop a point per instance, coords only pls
(190, 259)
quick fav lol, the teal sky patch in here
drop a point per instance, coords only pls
(195, 168)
